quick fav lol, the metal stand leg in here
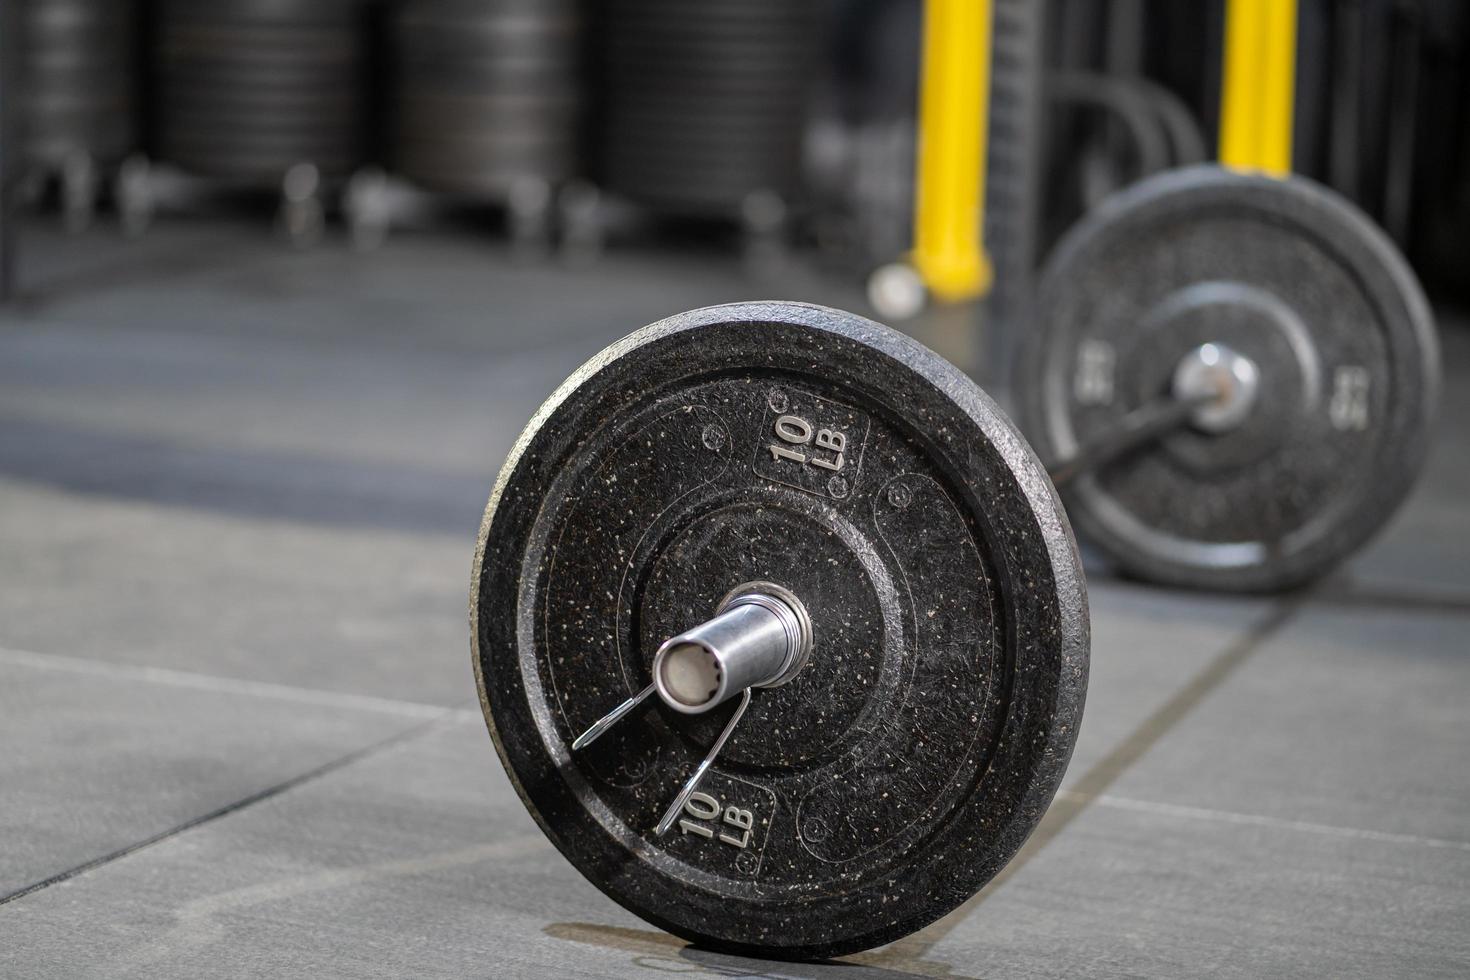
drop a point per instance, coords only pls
(302, 215)
(9, 156)
(133, 191)
(78, 191)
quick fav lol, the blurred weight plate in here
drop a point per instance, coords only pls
(51, 22)
(489, 175)
(909, 759)
(248, 88)
(1292, 277)
(706, 103)
(448, 109)
(736, 121)
(481, 11)
(437, 72)
(261, 14)
(266, 106)
(755, 15)
(486, 94)
(457, 44)
(78, 61)
(280, 46)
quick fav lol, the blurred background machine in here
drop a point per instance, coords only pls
(796, 121)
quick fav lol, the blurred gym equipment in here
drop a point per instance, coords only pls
(705, 104)
(487, 99)
(1278, 303)
(264, 94)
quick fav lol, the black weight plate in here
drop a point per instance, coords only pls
(78, 66)
(491, 74)
(485, 25)
(1293, 277)
(257, 168)
(45, 108)
(477, 10)
(688, 125)
(906, 763)
(491, 181)
(694, 76)
(450, 108)
(692, 58)
(47, 17)
(206, 135)
(701, 98)
(550, 155)
(719, 198)
(760, 162)
(706, 102)
(106, 140)
(248, 88)
(695, 168)
(264, 162)
(712, 181)
(76, 93)
(230, 56)
(486, 93)
(746, 53)
(683, 15)
(302, 145)
(311, 106)
(553, 45)
(252, 13)
(229, 79)
(492, 160)
(258, 139)
(470, 153)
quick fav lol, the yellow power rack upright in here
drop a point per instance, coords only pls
(949, 253)
(1258, 90)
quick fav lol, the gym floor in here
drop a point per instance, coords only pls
(239, 489)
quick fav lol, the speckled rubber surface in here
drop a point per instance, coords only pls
(911, 757)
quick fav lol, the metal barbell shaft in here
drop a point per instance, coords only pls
(758, 638)
(1140, 426)
(1213, 388)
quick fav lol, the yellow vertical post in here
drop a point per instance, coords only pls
(1258, 88)
(949, 195)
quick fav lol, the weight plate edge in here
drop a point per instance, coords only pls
(1071, 645)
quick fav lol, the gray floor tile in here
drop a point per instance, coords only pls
(94, 762)
(376, 612)
(1135, 894)
(419, 861)
(444, 410)
(1342, 718)
(1146, 645)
